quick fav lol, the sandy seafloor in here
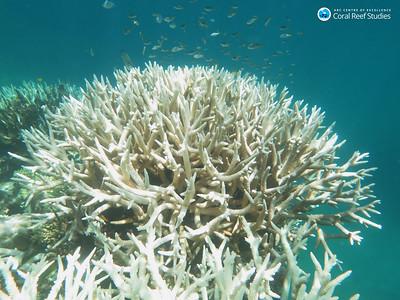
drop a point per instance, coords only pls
(349, 68)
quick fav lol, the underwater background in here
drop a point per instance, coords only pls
(349, 68)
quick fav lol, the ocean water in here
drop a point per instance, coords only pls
(349, 68)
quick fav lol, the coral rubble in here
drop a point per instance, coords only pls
(187, 183)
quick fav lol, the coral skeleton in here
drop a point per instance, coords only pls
(188, 183)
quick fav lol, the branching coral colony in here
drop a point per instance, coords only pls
(184, 183)
(21, 108)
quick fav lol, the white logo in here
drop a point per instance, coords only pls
(324, 14)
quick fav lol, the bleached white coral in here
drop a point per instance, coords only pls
(207, 182)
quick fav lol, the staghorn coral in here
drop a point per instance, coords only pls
(23, 107)
(20, 108)
(193, 183)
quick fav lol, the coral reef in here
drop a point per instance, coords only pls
(20, 108)
(23, 107)
(186, 183)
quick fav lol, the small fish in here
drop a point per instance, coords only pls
(172, 25)
(158, 18)
(141, 36)
(127, 31)
(107, 4)
(159, 45)
(235, 58)
(178, 7)
(91, 52)
(198, 56)
(177, 49)
(252, 20)
(169, 19)
(267, 20)
(232, 12)
(224, 45)
(213, 34)
(278, 53)
(285, 35)
(202, 23)
(135, 22)
(252, 46)
(208, 8)
(126, 59)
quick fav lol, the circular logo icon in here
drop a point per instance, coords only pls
(324, 14)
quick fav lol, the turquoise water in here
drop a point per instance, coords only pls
(349, 68)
